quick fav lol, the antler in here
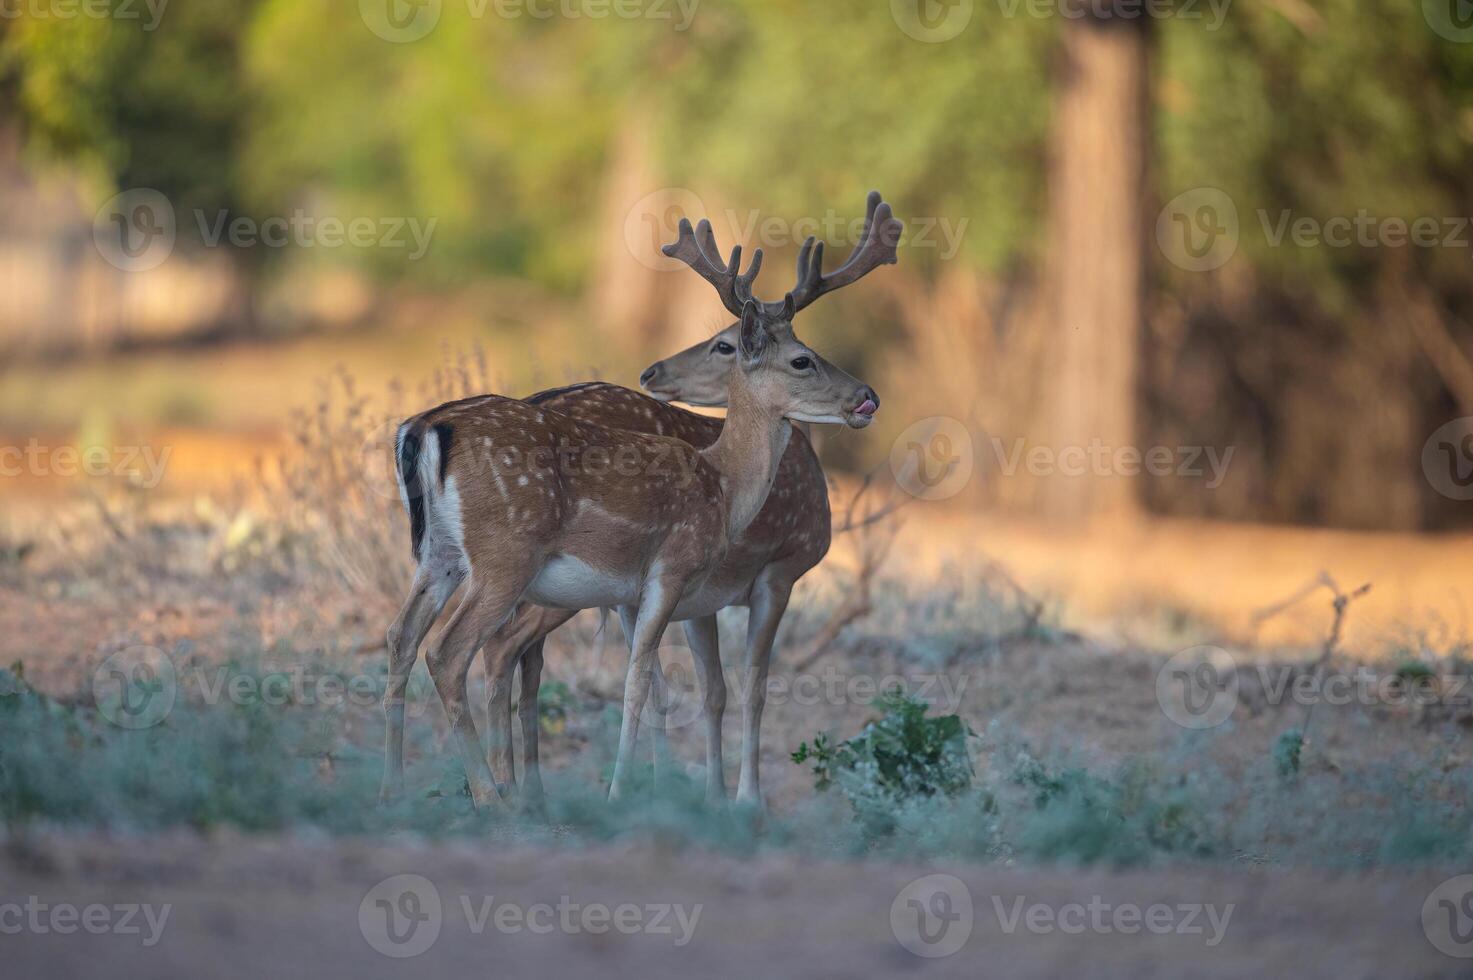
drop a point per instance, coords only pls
(696, 248)
(876, 248)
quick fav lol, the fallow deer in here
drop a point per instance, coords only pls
(789, 536)
(504, 495)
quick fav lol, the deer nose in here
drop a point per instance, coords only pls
(869, 402)
(650, 374)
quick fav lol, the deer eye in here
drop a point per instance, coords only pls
(722, 347)
(802, 363)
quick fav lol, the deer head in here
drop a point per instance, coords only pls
(761, 345)
(701, 375)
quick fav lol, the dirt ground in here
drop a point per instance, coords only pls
(296, 908)
(1084, 688)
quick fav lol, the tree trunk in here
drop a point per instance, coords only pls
(1094, 271)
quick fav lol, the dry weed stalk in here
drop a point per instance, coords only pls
(1340, 604)
(874, 525)
(1031, 606)
(339, 492)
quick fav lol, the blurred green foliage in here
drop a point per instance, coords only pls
(502, 128)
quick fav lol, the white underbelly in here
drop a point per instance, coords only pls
(568, 583)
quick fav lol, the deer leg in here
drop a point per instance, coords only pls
(433, 586)
(500, 657)
(485, 608)
(765, 613)
(531, 670)
(705, 645)
(658, 695)
(656, 604)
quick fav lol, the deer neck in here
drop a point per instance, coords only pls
(747, 454)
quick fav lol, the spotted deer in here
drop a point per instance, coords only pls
(505, 497)
(789, 536)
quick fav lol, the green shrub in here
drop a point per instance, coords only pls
(1075, 816)
(902, 757)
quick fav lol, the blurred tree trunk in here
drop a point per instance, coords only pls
(1093, 276)
(625, 301)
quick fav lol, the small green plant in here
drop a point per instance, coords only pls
(822, 756)
(1417, 678)
(903, 757)
(1412, 670)
(1288, 748)
(553, 699)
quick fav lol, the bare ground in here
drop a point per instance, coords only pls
(294, 905)
(291, 908)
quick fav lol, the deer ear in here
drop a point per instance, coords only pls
(752, 338)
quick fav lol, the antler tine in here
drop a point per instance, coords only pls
(697, 248)
(741, 284)
(694, 247)
(876, 247)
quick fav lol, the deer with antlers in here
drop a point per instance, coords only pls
(506, 497)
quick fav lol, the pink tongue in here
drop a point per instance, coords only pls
(868, 408)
